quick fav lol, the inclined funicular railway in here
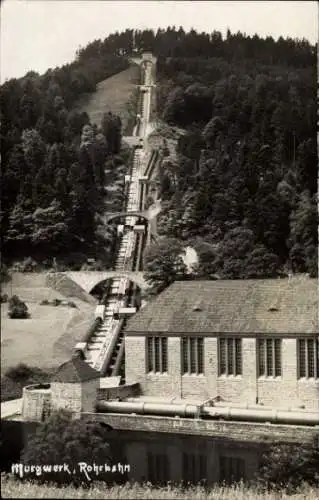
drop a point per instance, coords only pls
(103, 345)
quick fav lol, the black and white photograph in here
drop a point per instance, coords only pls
(159, 249)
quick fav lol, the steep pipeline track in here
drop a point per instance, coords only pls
(104, 349)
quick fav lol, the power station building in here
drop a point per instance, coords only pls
(240, 341)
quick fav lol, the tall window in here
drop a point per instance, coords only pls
(157, 354)
(231, 469)
(193, 355)
(194, 467)
(230, 356)
(308, 363)
(269, 357)
(157, 468)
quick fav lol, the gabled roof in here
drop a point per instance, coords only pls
(76, 370)
(230, 306)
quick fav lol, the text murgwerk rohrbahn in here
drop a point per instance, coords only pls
(88, 470)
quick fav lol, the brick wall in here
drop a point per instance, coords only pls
(308, 393)
(67, 396)
(166, 384)
(195, 387)
(237, 431)
(288, 391)
(135, 359)
(36, 404)
(89, 394)
(248, 388)
(120, 393)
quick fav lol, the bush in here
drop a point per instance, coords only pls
(28, 265)
(4, 274)
(44, 302)
(118, 160)
(18, 372)
(149, 201)
(17, 308)
(94, 266)
(289, 466)
(72, 304)
(61, 440)
(17, 377)
(3, 298)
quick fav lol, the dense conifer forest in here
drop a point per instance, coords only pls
(53, 159)
(242, 187)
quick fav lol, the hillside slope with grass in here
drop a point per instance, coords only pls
(47, 338)
(40, 339)
(112, 94)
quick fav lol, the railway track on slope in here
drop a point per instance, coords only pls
(103, 348)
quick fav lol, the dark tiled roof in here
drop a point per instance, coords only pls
(74, 371)
(247, 306)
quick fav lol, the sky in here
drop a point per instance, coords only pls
(41, 34)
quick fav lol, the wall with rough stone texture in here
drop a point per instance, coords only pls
(308, 393)
(280, 392)
(89, 394)
(238, 431)
(118, 393)
(66, 396)
(36, 404)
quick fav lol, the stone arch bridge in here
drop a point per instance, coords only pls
(147, 57)
(148, 214)
(89, 279)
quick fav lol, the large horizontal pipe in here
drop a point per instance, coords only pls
(217, 404)
(146, 408)
(214, 403)
(186, 410)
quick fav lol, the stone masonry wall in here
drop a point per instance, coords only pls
(67, 396)
(36, 405)
(89, 394)
(118, 393)
(248, 388)
(135, 359)
(237, 431)
(308, 393)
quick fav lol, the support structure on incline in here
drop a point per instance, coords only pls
(103, 348)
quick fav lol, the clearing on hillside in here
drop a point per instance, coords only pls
(112, 94)
(47, 338)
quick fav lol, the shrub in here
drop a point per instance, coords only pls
(17, 377)
(18, 372)
(63, 440)
(72, 304)
(3, 298)
(4, 274)
(28, 265)
(44, 302)
(117, 160)
(149, 201)
(289, 466)
(17, 308)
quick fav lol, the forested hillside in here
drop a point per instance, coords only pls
(53, 160)
(242, 188)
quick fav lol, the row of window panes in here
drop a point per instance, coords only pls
(230, 356)
(194, 468)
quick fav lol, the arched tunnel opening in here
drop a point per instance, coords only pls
(132, 293)
(120, 218)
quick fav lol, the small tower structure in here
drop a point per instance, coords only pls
(74, 386)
